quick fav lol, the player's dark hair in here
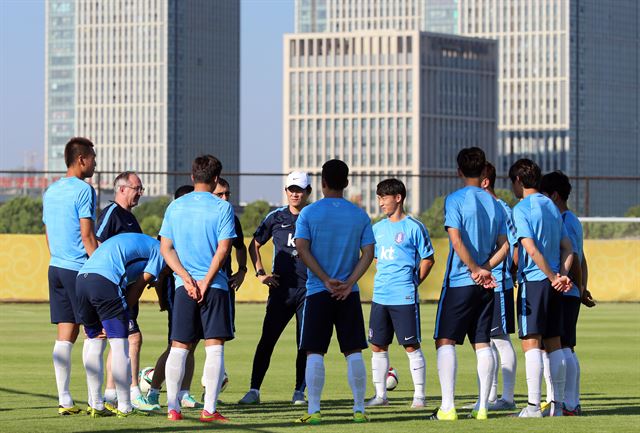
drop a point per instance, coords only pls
(527, 171)
(223, 182)
(489, 173)
(182, 190)
(335, 174)
(391, 187)
(556, 181)
(205, 168)
(75, 147)
(471, 161)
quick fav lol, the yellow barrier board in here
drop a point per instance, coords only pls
(614, 271)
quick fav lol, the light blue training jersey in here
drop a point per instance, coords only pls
(480, 220)
(122, 258)
(336, 230)
(502, 272)
(574, 230)
(537, 217)
(64, 203)
(196, 223)
(400, 247)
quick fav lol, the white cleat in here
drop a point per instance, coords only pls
(377, 401)
(501, 404)
(530, 412)
(251, 397)
(418, 403)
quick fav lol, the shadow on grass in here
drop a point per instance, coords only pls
(35, 394)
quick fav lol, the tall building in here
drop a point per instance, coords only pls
(152, 83)
(369, 88)
(569, 86)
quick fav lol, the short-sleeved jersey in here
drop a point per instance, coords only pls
(574, 230)
(123, 258)
(400, 247)
(238, 242)
(537, 217)
(336, 230)
(480, 220)
(502, 272)
(65, 202)
(113, 220)
(196, 223)
(280, 225)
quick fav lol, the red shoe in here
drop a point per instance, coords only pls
(174, 415)
(212, 417)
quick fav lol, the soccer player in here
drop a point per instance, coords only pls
(197, 232)
(544, 260)
(69, 212)
(286, 284)
(109, 282)
(557, 187)
(474, 222)
(114, 219)
(335, 241)
(404, 258)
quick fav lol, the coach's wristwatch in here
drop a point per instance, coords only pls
(260, 273)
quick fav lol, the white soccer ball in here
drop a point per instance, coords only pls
(225, 382)
(392, 379)
(144, 379)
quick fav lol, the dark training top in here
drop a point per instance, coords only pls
(113, 220)
(280, 225)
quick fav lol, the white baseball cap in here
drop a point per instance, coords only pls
(298, 178)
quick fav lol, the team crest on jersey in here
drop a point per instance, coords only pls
(399, 237)
(370, 333)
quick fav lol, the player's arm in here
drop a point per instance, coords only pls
(425, 268)
(366, 257)
(46, 236)
(236, 280)
(586, 298)
(88, 235)
(256, 260)
(222, 251)
(303, 246)
(478, 274)
(500, 254)
(557, 281)
(171, 258)
(135, 290)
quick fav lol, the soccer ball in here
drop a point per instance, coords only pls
(392, 379)
(144, 379)
(225, 382)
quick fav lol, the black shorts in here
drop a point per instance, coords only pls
(403, 319)
(466, 310)
(100, 300)
(210, 319)
(62, 295)
(570, 311)
(539, 309)
(322, 312)
(504, 321)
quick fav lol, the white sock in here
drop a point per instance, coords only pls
(417, 365)
(314, 377)
(558, 369)
(493, 392)
(62, 368)
(110, 394)
(121, 372)
(508, 365)
(85, 350)
(547, 376)
(357, 377)
(570, 396)
(379, 371)
(92, 352)
(533, 367)
(174, 372)
(214, 371)
(447, 369)
(134, 392)
(485, 372)
(577, 395)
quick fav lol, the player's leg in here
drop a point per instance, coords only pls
(570, 310)
(406, 323)
(507, 355)
(299, 296)
(480, 338)
(184, 396)
(380, 336)
(552, 344)
(153, 396)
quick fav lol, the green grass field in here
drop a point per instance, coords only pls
(609, 351)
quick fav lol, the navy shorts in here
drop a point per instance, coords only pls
(210, 319)
(570, 311)
(403, 319)
(62, 295)
(466, 310)
(321, 312)
(539, 309)
(100, 301)
(504, 321)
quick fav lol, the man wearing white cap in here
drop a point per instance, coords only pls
(286, 283)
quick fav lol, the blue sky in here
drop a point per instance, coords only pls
(22, 85)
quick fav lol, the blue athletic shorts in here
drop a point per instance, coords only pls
(322, 312)
(570, 312)
(403, 319)
(210, 319)
(504, 321)
(101, 304)
(539, 309)
(62, 295)
(465, 311)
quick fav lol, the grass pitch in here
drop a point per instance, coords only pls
(609, 352)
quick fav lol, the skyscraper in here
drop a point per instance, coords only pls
(152, 83)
